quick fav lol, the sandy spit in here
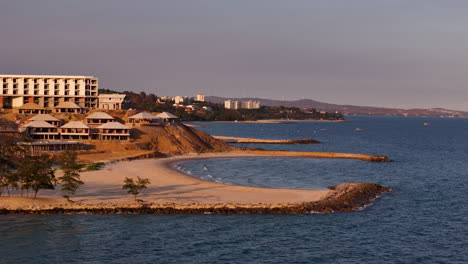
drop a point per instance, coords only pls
(171, 191)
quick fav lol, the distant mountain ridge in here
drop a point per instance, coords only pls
(348, 109)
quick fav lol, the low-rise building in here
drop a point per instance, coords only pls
(75, 130)
(32, 108)
(168, 117)
(144, 118)
(193, 107)
(41, 130)
(46, 118)
(113, 131)
(69, 107)
(111, 101)
(98, 118)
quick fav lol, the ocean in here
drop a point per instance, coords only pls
(424, 220)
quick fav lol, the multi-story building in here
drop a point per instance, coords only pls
(250, 104)
(200, 98)
(229, 104)
(48, 90)
(180, 99)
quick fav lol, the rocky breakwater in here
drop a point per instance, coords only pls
(266, 141)
(344, 197)
(318, 155)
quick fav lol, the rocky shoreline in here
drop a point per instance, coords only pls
(344, 197)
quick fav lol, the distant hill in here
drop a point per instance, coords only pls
(348, 109)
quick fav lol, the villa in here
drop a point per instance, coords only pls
(145, 118)
(47, 118)
(32, 108)
(41, 130)
(75, 130)
(168, 117)
(113, 131)
(69, 107)
(99, 118)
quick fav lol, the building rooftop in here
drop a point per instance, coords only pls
(75, 124)
(31, 106)
(100, 115)
(68, 105)
(113, 125)
(144, 115)
(43, 117)
(40, 124)
(167, 115)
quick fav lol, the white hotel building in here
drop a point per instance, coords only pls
(48, 90)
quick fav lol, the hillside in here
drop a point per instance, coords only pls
(348, 109)
(175, 139)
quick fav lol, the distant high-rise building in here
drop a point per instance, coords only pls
(229, 104)
(180, 99)
(48, 90)
(250, 104)
(200, 98)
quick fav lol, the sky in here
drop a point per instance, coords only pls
(390, 53)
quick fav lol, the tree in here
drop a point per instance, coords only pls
(134, 187)
(12, 157)
(36, 173)
(70, 180)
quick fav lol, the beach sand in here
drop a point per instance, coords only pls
(169, 187)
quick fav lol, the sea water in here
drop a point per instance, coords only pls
(424, 220)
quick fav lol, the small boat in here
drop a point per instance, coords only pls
(359, 129)
(426, 124)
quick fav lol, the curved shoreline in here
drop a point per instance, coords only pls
(173, 192)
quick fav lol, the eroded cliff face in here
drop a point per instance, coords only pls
(177, 139)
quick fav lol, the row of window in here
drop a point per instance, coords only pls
(76, 81)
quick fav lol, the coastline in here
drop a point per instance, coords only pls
(265, 141)
(270, 121)
(174, 192)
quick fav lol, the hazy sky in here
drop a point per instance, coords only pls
(395, 53)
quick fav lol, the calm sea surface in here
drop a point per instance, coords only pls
(425, 220)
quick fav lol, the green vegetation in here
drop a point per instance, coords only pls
(135, 187)
(148, 102)
(70, 180)
(21, 172)
(36, 173)
(93, 166)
